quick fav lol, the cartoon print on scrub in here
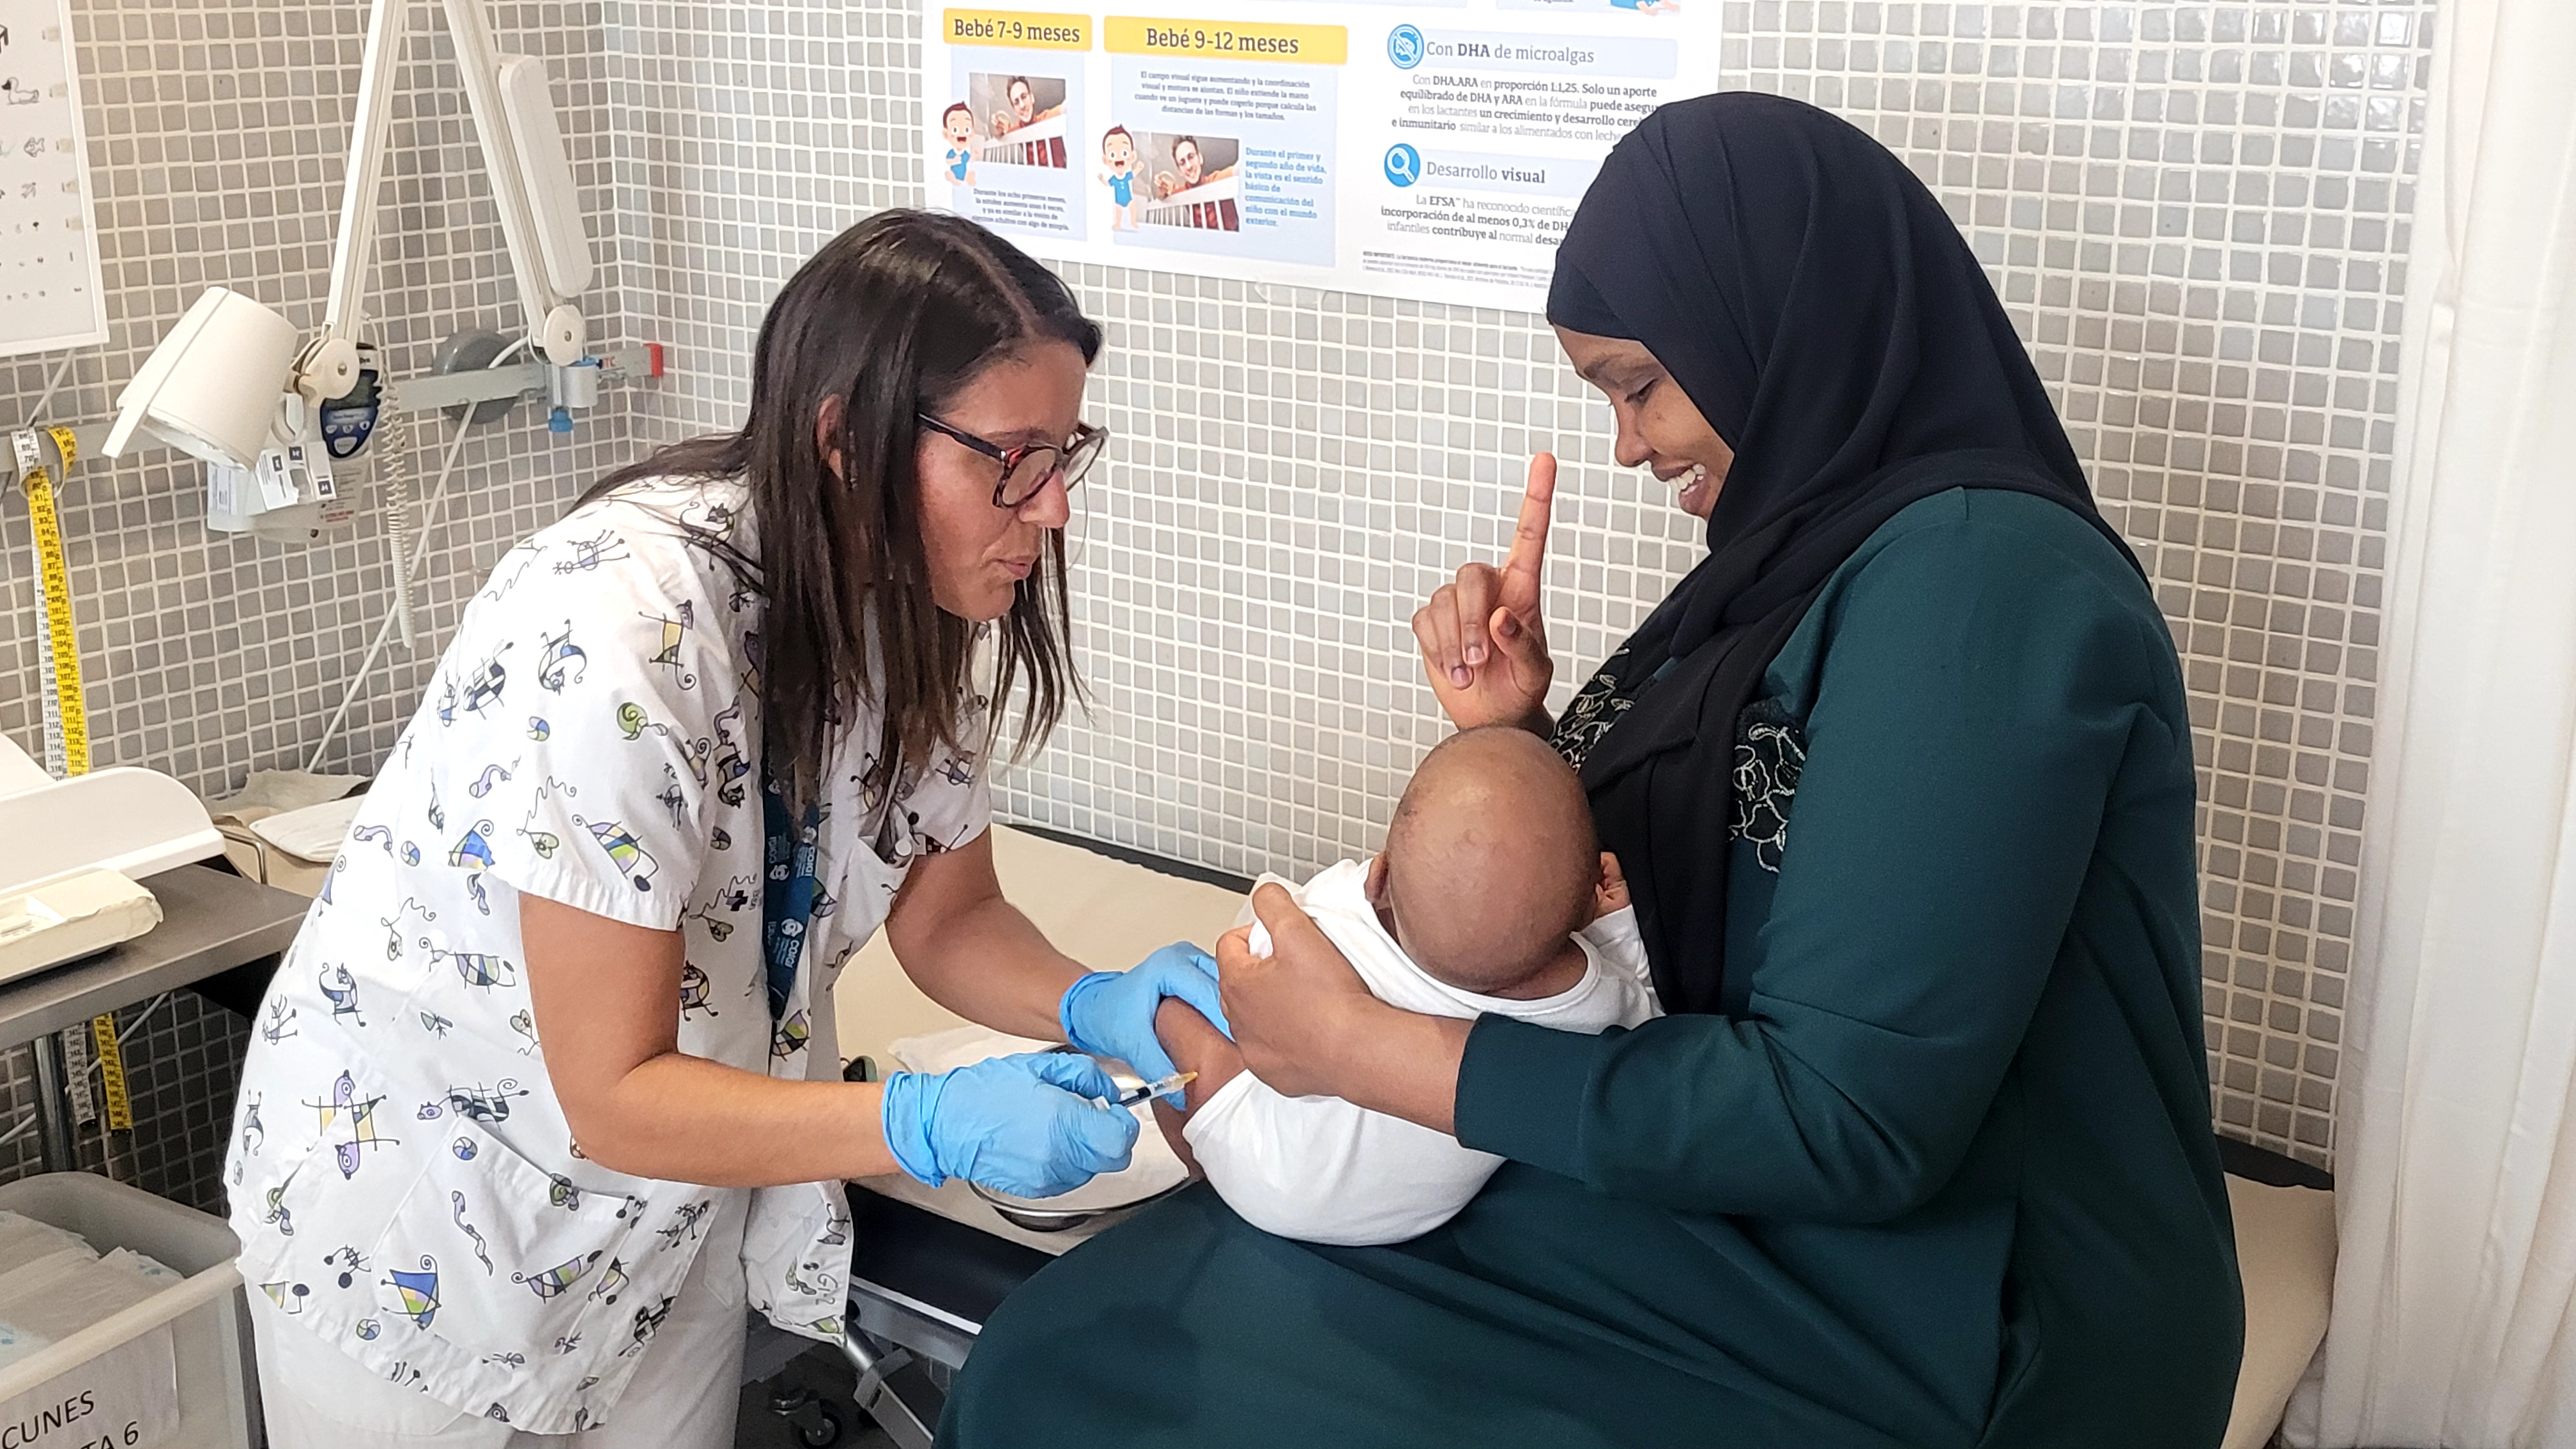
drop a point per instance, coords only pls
(253, 1135)
(348, 1260)
(675, 632)
(648, 1321)
(344, 1104)
(792, 1035)
(343, 997)
(589, 553)
(557, 1280)
(731, 766)
(476, 968)
(564, 663)
(417, 1293)
(485, 690)
(393, 925)
(693, 991)
(527, 560)
(544, 842)
(456, 1202)
(631, 859)
(281, 1021)
(489, 1106)
(492, 775)
(673, 798)
(612, 1281)
(686, 1227)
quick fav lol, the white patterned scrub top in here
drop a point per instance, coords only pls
(403, 1182)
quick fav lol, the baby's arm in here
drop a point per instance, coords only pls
(1194, 1046)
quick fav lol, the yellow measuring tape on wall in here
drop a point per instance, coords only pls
(111, 1074)
(66, 717)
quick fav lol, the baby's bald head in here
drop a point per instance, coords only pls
(1490, 864)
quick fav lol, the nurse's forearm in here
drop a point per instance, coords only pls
(989, 965)
(686, 1119)
(972, 951)
(606, 1001)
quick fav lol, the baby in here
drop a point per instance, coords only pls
(1489, 897)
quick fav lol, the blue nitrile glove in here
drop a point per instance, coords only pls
(1027, 1125)
(1111, 1013)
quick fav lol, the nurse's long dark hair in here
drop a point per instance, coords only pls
(893, 317)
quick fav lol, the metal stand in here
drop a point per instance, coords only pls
(879, 1400)
(53, 1109)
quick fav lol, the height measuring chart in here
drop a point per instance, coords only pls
(49, 282)
(1414, 150)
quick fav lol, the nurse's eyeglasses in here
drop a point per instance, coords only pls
(1026, 468)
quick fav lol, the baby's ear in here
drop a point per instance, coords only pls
(1374, 884)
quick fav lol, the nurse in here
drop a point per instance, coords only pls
(546, 1091)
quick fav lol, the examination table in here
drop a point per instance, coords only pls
(929, 1267)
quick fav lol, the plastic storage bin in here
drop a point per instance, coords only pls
(111, 1386)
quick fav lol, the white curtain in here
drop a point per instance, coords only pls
(2456, 1178)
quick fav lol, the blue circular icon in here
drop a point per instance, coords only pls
(1404, 47)
(1403, 164)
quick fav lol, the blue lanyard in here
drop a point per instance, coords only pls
(787, 893)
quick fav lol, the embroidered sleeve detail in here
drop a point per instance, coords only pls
(1594, 709)
(1770, 752)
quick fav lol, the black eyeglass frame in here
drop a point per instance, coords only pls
(1086, 444)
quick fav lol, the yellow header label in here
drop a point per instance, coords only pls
(1018, 29)
(1229, 40)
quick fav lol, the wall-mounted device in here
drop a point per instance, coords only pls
(347, 422)
(228, 385)
(287, 495)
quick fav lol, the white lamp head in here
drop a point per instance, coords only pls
(214, 385)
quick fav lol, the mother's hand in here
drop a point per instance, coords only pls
(1483, 640)
(1308, 1026)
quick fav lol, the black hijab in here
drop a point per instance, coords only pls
(1810, 296)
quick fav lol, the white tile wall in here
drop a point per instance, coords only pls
(2196, 212)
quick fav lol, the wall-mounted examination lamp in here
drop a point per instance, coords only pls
(228, 383)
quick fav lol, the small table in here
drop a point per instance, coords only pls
(211, 922)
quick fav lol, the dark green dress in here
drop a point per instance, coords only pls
(1949, 1181)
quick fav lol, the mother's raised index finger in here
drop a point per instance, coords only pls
(1525, 566)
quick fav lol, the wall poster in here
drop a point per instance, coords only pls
(1431, 150)
(49, 275)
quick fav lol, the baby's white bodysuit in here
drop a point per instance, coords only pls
(1324, 1171)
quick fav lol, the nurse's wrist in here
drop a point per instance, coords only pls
(909, 1102)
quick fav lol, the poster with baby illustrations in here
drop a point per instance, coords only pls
(1432, 150)
(50, 296)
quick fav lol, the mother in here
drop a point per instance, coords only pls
(1902, 777)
